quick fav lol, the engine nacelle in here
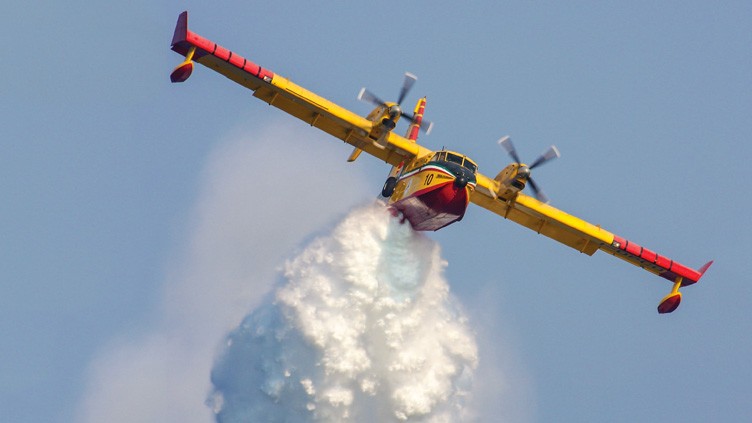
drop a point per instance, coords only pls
(511, 181)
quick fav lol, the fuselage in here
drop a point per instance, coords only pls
(433, 192)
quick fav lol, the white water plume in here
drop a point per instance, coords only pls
(241, 227)
(362, 328)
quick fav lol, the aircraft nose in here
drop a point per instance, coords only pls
(462, 177)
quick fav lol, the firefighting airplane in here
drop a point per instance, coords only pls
(431, 189)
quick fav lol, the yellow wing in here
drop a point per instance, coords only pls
(542, 218)
(585, 237)
(282, 93)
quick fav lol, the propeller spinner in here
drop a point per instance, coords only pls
(395, 109)
(523, 172)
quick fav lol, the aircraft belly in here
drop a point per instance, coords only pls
(434, 207)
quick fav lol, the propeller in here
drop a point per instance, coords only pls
(395, 110)
(524, 170)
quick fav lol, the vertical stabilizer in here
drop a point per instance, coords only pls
(414, 129)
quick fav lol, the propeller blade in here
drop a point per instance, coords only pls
(369, 97)
(426, 126)
(506, 142)
(537, 191)
(547, 156)
(407, 84)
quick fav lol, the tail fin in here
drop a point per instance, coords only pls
(414, 129)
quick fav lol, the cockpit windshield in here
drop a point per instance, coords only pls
(454, 158)
(470, 165)
(446, 156)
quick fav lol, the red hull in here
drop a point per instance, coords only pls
(434, 207)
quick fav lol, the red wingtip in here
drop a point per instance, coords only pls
(704, 268)
(181, 29)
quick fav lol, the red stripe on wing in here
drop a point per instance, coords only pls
(183, 39)
(670, 269)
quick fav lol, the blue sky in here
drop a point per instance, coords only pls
(107, 170)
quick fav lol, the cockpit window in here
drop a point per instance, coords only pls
(454, 158)
(445, 156)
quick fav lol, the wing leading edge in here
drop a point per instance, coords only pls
(282, 93)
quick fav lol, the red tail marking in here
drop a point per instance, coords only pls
(412, 132)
